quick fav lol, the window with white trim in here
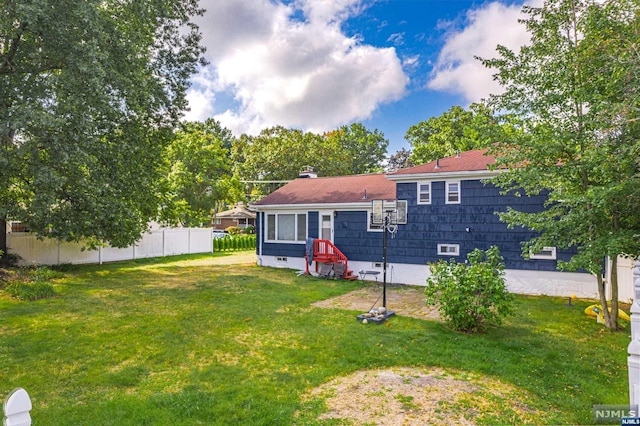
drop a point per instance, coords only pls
(547, 253)
(453, 192)
(448, 249)
(286, 227)
(424, 192)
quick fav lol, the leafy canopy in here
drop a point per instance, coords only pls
(89, 94)
(454, 131)
(198, 174)
(279, 154)
(573, 94)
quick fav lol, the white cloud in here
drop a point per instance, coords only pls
(456, 69)
(201, 97)
(290, 65)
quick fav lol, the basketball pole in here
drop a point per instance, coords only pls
(384, 260)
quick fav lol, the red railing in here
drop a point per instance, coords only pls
(326, 252)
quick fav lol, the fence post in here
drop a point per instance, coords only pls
(633, 361)
(16, 408)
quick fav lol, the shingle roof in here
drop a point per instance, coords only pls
(467, 161)
(329, 190)
(238, 212)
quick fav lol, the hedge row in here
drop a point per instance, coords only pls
(233, 243)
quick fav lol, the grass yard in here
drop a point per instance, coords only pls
(194, 341)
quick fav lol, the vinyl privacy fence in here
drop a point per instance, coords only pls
(162, 242)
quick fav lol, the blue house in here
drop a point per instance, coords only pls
(451, 209)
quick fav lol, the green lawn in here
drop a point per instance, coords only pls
(190, 340)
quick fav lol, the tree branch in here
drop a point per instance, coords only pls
(7, 62)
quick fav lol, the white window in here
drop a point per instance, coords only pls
(453, 192)
(448, 249)
(548, 253)
(287, 227)
(424, 192)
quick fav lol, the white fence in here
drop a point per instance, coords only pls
(162, 242)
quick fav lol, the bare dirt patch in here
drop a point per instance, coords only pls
(414, 396)
(403, 300)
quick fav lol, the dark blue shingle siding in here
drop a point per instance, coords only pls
(432, 224)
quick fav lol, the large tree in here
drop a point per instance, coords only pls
(573, 93)
(278, 154)
(89, 93)
(363, 149)
(454, 131)
(400, 160)
(198, 174)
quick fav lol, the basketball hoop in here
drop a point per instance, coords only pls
(387, 217)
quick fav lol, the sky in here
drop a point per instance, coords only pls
(316, 65)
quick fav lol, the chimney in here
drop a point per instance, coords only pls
(437, 163)
(308, 172)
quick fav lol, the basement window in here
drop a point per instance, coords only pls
(448, 249)
(547, 253)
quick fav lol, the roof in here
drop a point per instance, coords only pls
(333, 190)
(240, 211)
(468, 161)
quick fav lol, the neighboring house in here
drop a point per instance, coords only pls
(239, 216)
(451, 210)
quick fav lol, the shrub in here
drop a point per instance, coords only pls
(470, 294)
(24, 290)
(8, 259)
(32, 283)
(233, 230)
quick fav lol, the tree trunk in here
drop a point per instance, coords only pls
(610, 314)
(613, 325)
(602, 292)
(3, 233)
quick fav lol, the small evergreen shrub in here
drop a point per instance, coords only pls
(470, 294)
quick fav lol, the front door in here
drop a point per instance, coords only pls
(326, 226)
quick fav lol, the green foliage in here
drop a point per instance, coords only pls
(198, 174)
(235, 242)
(362, 149)
(233, 230)
(90, 93)
(573, 93)
(32, 283)
(279, 154)
(9, 259)
(454, 131)
(470, 294)
(30, 291)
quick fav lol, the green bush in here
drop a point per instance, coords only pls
(32, 283)
(24, 290)
(233, 230)
(235, 242)
(470, 294)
